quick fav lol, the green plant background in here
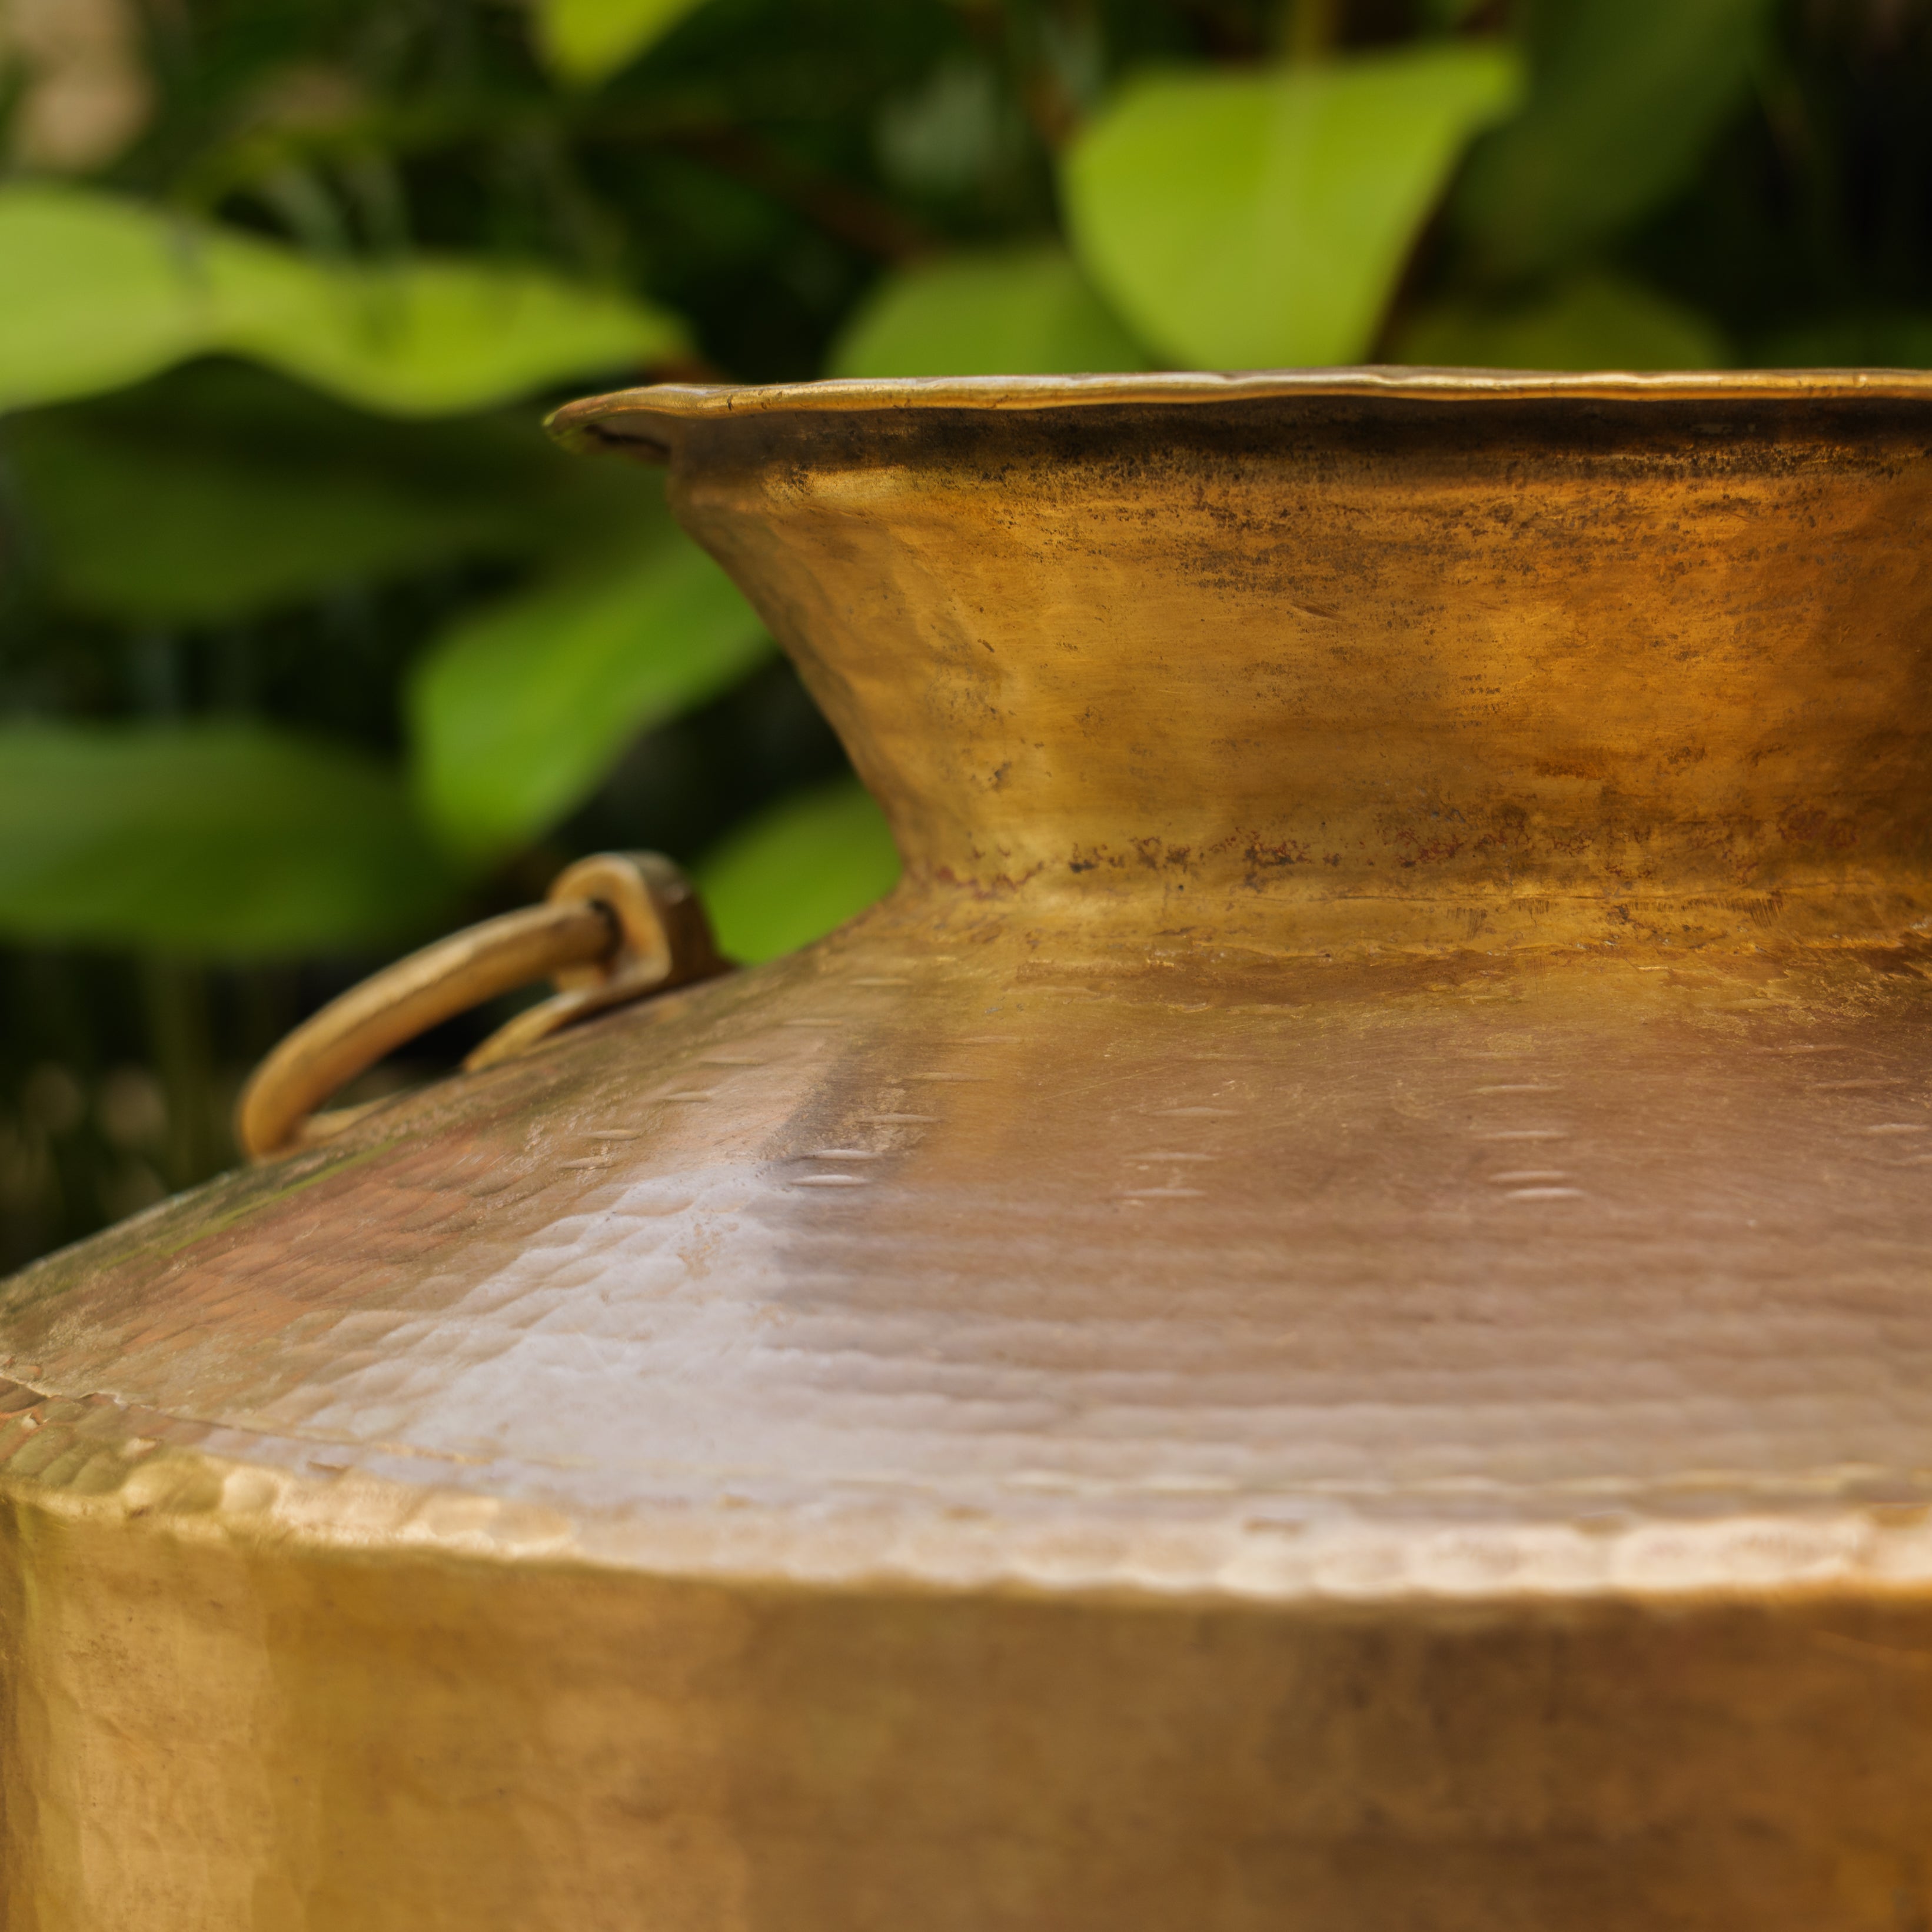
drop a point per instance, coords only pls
(311, 647)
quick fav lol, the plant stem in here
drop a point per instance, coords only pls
(1309, 28)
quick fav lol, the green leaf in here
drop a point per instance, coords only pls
(220, 491)
(1626, 99)
(797, 871)
(191, 535)
(427, 337)
(1864, 339)
(227, 839)
(517, 713)
(96, 292)
(1024, 312)
(1594, 321)
(590, 40)
(1245, 220)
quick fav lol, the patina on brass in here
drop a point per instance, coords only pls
(1323, 1323)
(614, 928)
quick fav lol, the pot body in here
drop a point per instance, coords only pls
(1324, 1321)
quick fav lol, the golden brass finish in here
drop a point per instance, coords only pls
(353, 1033)
(1324, 1323)
(663, 941)
(615, 927)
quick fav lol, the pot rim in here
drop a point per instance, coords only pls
(583, 423)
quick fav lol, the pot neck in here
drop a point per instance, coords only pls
(1341, 678)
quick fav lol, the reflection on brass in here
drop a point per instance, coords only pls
(615, 927)
(1323, 1323)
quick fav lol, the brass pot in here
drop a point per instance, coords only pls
(1324, 1321)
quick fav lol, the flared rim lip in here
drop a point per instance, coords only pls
(596, 418)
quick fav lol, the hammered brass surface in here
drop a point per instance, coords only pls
(1324, 1322)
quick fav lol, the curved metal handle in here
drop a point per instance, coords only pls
(612, 929)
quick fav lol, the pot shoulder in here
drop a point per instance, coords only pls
(949, 1256)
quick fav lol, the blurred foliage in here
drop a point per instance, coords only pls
(985, 312)
(799, 869)
(101, 291)
(1303, 187)
(1595, 318)
(310, 645)
(223, 836)
(519, 709)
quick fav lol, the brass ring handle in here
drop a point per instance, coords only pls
(612, 929)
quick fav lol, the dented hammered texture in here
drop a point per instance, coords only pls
(1324, 1321)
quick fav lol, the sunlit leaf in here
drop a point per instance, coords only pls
(587, 39)
(519, 712)
(1626, 97)
(797, 871)
(96, 292)
(1250, 219)
(427, 336)
(1028, 312)
(220, 491)
(223, 840)
(1595, 321)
